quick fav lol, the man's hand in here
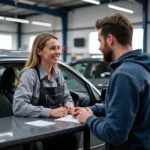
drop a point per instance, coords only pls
(58, 112)
(82, 114)
(77, 111)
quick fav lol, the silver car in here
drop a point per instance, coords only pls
(80, 88)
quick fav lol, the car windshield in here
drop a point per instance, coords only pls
(93, 69)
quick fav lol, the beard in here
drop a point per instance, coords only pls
(107, 53)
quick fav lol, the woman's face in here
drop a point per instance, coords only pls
(50, 54)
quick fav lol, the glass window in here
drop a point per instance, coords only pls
(137, 41)
(6, 41)
(81, 67)
(31, 39)
(77, 89)
(100, 70)
(84, 68)
(93, 69)
(94, 43)
(72, 82)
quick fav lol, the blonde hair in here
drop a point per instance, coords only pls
(34, 58)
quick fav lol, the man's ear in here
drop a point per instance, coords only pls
(110, 39)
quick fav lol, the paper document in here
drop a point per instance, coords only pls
(40, 123)
(68, 118)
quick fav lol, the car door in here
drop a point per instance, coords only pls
(86, 95)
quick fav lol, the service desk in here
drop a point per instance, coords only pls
(14, 131)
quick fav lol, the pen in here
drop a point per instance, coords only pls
(77, 104)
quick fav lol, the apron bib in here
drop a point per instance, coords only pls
(50, 97)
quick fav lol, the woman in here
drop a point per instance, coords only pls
(42, 89)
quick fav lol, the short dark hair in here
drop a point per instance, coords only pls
(117, 25)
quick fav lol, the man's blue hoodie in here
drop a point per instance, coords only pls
(127, 106)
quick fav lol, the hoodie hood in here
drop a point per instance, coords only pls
(133, 56)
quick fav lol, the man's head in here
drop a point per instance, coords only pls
(113, 31)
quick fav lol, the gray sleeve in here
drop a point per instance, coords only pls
(24, 93)
(67, 97)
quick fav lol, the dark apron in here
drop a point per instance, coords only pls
(52, 97)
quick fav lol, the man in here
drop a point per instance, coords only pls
(127, 106)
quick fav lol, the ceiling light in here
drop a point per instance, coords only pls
(25, 21)
(3, 55)
(26, 2)
(92, 1)
(41, 23)
(121, 9)
(16, 20)
(2, 18)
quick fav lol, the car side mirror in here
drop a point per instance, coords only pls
(103, 94)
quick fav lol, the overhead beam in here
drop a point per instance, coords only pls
(33, 8)
(29, 15)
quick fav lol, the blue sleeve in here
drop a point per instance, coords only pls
(98, 109)
(122, 106)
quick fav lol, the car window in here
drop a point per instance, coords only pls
(84, 68)
(16, 66)
(72, 82)
(100, 70)
(93, 69)
(81, 67)
(77, 89)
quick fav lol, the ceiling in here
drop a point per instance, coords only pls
(24, 8)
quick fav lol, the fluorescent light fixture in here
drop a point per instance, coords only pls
(121, 9)
(2, 18)
(15, 51)
(92, 1)
(26, 2)
(16, 20)
(3, 55)
(25, 21)
(41, 23)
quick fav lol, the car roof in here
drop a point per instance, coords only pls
(88, 59)
(13, 54)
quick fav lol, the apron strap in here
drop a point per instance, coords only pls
(38, 73)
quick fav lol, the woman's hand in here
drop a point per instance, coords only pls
(70, 108)
(58, 112)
